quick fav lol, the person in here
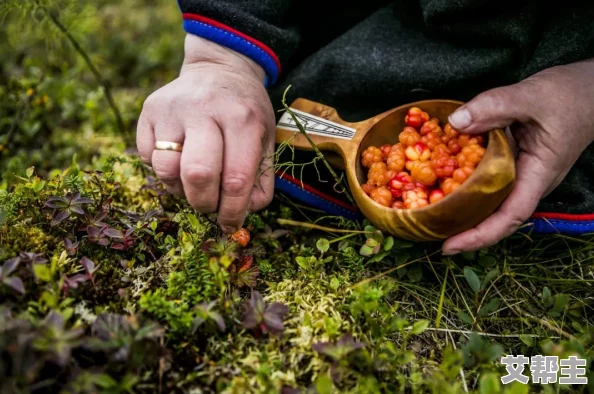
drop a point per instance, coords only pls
(209, 134)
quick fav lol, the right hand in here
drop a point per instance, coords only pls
(220, 111)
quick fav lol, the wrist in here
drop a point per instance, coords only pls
(199, 52)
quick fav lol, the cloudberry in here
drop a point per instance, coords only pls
(440, 150)
(467, 139)
(454, 147)
(367, 188)
(470, 155)
(436, 195)
(396, 160)
(399, 181)
(416, 198)
(371, 155)
(432, 140)
(396, 193)
(462, 174)
(398, 148)
(449, 133)
(409, 136)
(444, 165)
(411, 164)
(431, 127)
(242, 237)
(382, 196)
(418, 151)
(424, 174)
(414, 117)
(377, 174)
(385, 150)
(398, 204)
(449, 185)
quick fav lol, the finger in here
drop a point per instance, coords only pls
(166, 164)
(145, 138)
(533, 180)
(263, 191)
(495, 108)
(201, 166)
(241, 161)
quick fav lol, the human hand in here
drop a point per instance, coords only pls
(220, 111)
(551, 118)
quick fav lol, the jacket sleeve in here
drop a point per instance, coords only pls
(263, 30)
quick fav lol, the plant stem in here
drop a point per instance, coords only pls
(100, 80)
(317, 227)
(319, 154)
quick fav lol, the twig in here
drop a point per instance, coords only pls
(100, 80)
(318, 227)
(461, 369)
(484, 334)
(319, 154)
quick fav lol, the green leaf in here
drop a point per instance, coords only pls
(527, 339)
(487, 261)
(193, 221)
(547, 299)
(366, 251)
(378, 257)
(415, 273)
(30, 172)
(153, 225)
(371, 242)
(39, 186)
(468, 256)
(464, 317)
(370, 230)
(323, 245)
(472, 279)
(419, 327)
(400, 244)
(388, 244)
(104, 381)
(490, 384)
(303, 262)
(42, 272)
(324, 385)
(334, 283)
(560, 302)
(489, 277)
(490, 307)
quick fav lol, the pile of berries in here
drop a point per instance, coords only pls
(428, 163)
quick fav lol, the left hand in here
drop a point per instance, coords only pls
(551, 118)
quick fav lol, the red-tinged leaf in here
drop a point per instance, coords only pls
(273, 323)
(118, 246)
(219, 320)
(246, 263)
(56, 203)
(114, 233)
(278, 309)
(32, 258)
(81, 200)
(76, 209)
(88, 264)
(246, 278)
(9, 266)
(14, 283)
(59, 217)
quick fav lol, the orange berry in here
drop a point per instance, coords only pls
(385, 150)
(449, 133)
(371, 155)
(470, 155)
(444, 165)
(462, 174)
(396, 159)
(415, 198)
(432, 140)
(425, 117)
(424, 174)
(436, 195)
(454, 147)
(382, 196)
(467, 139)
(418, 151)
(367, 188)
(242, 237)
(377, 175)
(414, 117)
(431, 127)
(409, 136)
(449, 185)
(400, 181)
(398, 204)
(440, 150)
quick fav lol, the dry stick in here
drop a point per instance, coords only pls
(461, 369)
(483, 334)
(319, 154)
(318, 227)
(100, 80)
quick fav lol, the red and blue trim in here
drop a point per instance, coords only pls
(540, 223)
(228, 37)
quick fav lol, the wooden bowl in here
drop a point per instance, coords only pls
(462, 210)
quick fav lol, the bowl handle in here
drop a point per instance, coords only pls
(323, 126)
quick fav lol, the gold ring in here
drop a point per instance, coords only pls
(166, 145)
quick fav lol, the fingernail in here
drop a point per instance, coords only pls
(228, 229)
(460, 119)
(450, 252)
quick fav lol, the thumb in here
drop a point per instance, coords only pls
(495, 108)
